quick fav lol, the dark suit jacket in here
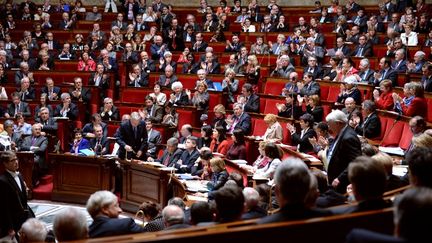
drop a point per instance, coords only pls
(28, 95)
(39, 154)
(310, 89)
(72, 114)
(183, 100)
(348, 147)
(199, 48)
(363, 206)
(115, 115)
(173, 158)
(317, 72)
(427, 83)
(401, 68)
(13, 205)
(104, 226)
(85, 95)
(244, 123)
(367, 236)
(252, 104)
(49, 126)
(371, 127)
(89, 128)
(55, 90)
(126, 136)
(162, 80)
(391, 74)
(294, 212)
(188, 160)
(23, 108)
(103, 83)
(369, 78)
(156, 114)
(102, 148)
(305, 145)
(366, 52)
(345, 50)
(154, 139)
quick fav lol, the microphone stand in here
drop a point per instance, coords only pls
(391, 128)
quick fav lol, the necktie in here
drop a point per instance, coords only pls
(33, 141)
(365, 75)
(357, 20)
(16, 109)
(166, 160)
(135, 132)
(360, 51)
(384, 74)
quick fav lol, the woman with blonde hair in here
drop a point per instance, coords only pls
(424, 141)
(219, 120)
(252, 70)
(219, 175)
(230, 84)
(314, 108)
(260, 162)
(274, 129)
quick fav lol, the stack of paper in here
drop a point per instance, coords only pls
(392, 150)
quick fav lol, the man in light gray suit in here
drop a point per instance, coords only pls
(38, 145)
(154, 139)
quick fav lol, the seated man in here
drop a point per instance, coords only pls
(283, 67)
(99, 143)
(103, 207)
(173, 217)
(240, 120)
(168, 78)
(189, 156)
(154, 139)
(88, 129)
(37, 143)
(70, 224)
(152, 111)
(53, 92)
(251, 101)
(202, 77)
(67, 108)
(79, 93)
(170, 155)
(49, 125)
(368, 179)
(371, 125)
(25, 91)
(33, 230)
(17, 107)
(109, 112)
(294, 188)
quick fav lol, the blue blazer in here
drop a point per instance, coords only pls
(104, 226)
(83, 144)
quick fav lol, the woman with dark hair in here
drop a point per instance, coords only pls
(302, 139)
(219, 144)
(151, 213)
(238, 148)
(330, 73)
(79, 143)
(206, 136)
(273, 152)
(202, 169)
(190, 62)
(290, 108)
(346, 70)
(171, 116)
(43, 103)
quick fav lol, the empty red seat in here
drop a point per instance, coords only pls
(393, 133)
(406, 137)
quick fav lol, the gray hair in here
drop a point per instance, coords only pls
(34, 230)
(135, 116)
(176, 84)
(365, 62)
(337, 116)
(70, 224)
(99, 200)
(107, 99)
(64, 96)
(293, 179)
(172, 142)
(169, 68)
(420, 53)
(238, 105)
(251, 197)
(172, 214)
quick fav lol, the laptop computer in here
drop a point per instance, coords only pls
(217, 86)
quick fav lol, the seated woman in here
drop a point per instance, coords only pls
(183, 56)
(321, 143)
(79, 142)
(302, 139)
(272, 151)
(137, 78)
(171, 116)
(260, 162)
(330, 73)
(151, 214)
(206, 137)
(238, 148)
(219, 119)
(86, 63)
(202, 169)
(189, 64)
(230, 85)
(314, 108)
(414, 103)
(158, 95)
(219, 144)
(290, 109)
(252, 70)
(274, 131)
(384, 101)
(349, 89)
(178, 97)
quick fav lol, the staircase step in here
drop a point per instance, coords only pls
(43, 191)
(46, 179)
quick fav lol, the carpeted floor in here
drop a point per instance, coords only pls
(46, 211)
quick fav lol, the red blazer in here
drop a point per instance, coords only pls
(385, 102)
(418, 107)
(222, 148)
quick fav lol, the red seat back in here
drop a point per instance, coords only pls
(393, 133)
(406, 137)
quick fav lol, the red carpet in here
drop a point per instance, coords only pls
(44, 189)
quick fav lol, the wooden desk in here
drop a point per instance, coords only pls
(26, 161)
(147, 183)
(77, 177)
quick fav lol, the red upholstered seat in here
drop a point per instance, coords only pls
(333, 93)
(259, 127)
(324, 91)
(134, 95)
(393, 133)
(270, 107)
(406, 137)
(112, 128)
(274, 86)
(429, 114)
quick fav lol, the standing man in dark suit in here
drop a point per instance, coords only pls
(132, 138)
(371, 125)
(14, 210)
(37, 144)
(103, 207)
(240, 120)
(100, 143)
(17, 107)
(154, 139)
(170, 155)
(345, 148)
(251, 100)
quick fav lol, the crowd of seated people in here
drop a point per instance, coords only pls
(299, 52)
